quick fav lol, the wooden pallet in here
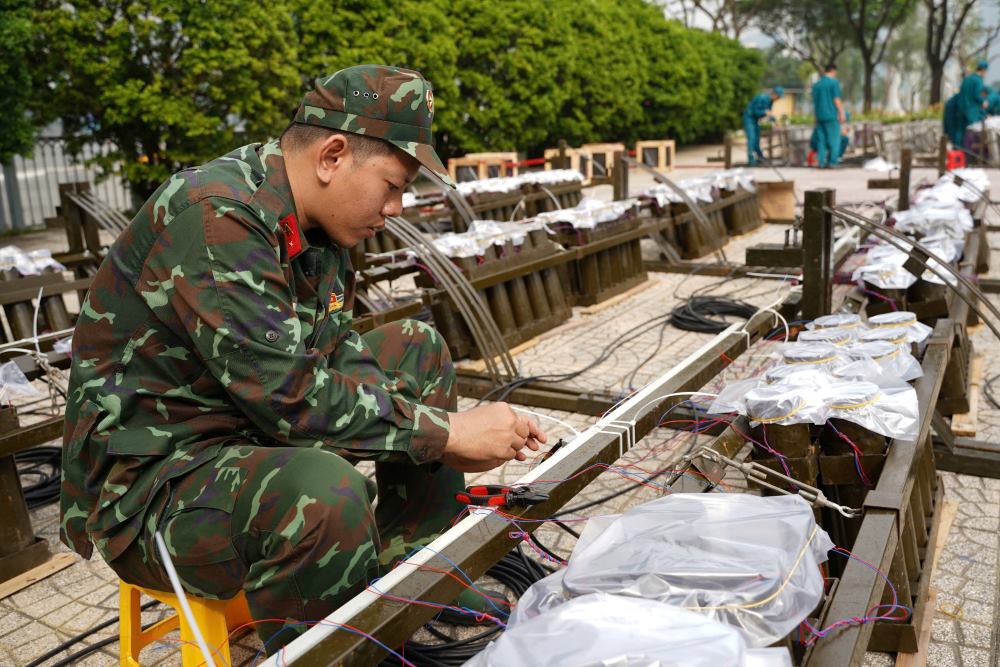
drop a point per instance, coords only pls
(967, 423)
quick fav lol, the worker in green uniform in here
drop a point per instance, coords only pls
(759, 107)
(992, 102)
(971, 103)
(829, 110)
(219, 395)
(952, 122)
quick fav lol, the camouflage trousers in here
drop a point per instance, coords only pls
(295, 528)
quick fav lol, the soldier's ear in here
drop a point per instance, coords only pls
(332, 155)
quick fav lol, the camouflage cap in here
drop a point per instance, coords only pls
(389, 103)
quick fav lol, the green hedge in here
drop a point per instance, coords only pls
(166, 82)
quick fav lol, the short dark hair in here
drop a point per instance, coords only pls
(299, 135)
(830, 67)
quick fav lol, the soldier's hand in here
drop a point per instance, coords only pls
(487, 436)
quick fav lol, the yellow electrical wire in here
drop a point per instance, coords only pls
(812, 361)
(855, 406)
(769, 598)
(771, 420)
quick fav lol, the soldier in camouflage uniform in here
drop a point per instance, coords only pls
(219, 395)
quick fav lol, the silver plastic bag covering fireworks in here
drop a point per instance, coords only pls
(481, 235)
(512, 183)
(904, 321)
(588, 214)
(889, 411)
(780, 403)
(601, 630)
(28, 263)
(884, 269)
(883, 362)
(746, 561)
(837, 321)
(931, 218)
(836, 337)
(13, 382)
(821, 355)
(797, 376)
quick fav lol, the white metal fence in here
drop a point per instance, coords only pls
(29, 187)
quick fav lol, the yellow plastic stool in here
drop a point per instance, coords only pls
(215, 618)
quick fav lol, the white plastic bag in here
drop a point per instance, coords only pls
(601, 630)
(747, 561)
(901, 320)
(889, 411)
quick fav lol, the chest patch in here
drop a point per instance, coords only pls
(336, 303)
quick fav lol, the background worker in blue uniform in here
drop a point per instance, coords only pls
(971, 103)
(759, 107)
(829, 110)
(992, 102)
(954, 129)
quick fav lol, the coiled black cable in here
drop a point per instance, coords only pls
(701, 313)
(41, 468)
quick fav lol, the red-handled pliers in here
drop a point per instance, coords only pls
(495, 495)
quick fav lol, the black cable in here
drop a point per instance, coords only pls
(515, 571)
(43, 485)
(701, 313)
(80, 637)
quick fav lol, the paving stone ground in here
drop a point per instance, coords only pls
(966, 617)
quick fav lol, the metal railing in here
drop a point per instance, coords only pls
(29, 186)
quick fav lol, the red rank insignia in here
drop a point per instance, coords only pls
(292, 241)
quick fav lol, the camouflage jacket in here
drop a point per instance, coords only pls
(214, 320)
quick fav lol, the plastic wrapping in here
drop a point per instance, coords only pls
(64, 345)
(750, 562)
(835, 337)
(588, 214)
(823, 356)
(902, 320)
(27, 263)
(889, 411)
(893, 362)
(601, 630)
(13, 382)
(481, 235)
(732, 179)
(887, 273)
(880, 165)
(836, 321)
(512, 183)
(799, 376)
(782, 404)
(768, 657)
(698, 189)
(894, 336)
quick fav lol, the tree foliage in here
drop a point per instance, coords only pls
(169, 82)
(16, 128)
(176, 82)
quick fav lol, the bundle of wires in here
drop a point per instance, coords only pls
(702, 313)
(39, 469)
(515, 571)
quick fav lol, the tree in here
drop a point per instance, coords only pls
(728, 17)
(17, 132)
(814, 30)
(944, 24)
(872, 24)
(781, 69)
(170, 83)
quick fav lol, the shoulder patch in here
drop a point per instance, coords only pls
(290, 226)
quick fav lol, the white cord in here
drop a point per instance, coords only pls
(549, 417)
(175, 581)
